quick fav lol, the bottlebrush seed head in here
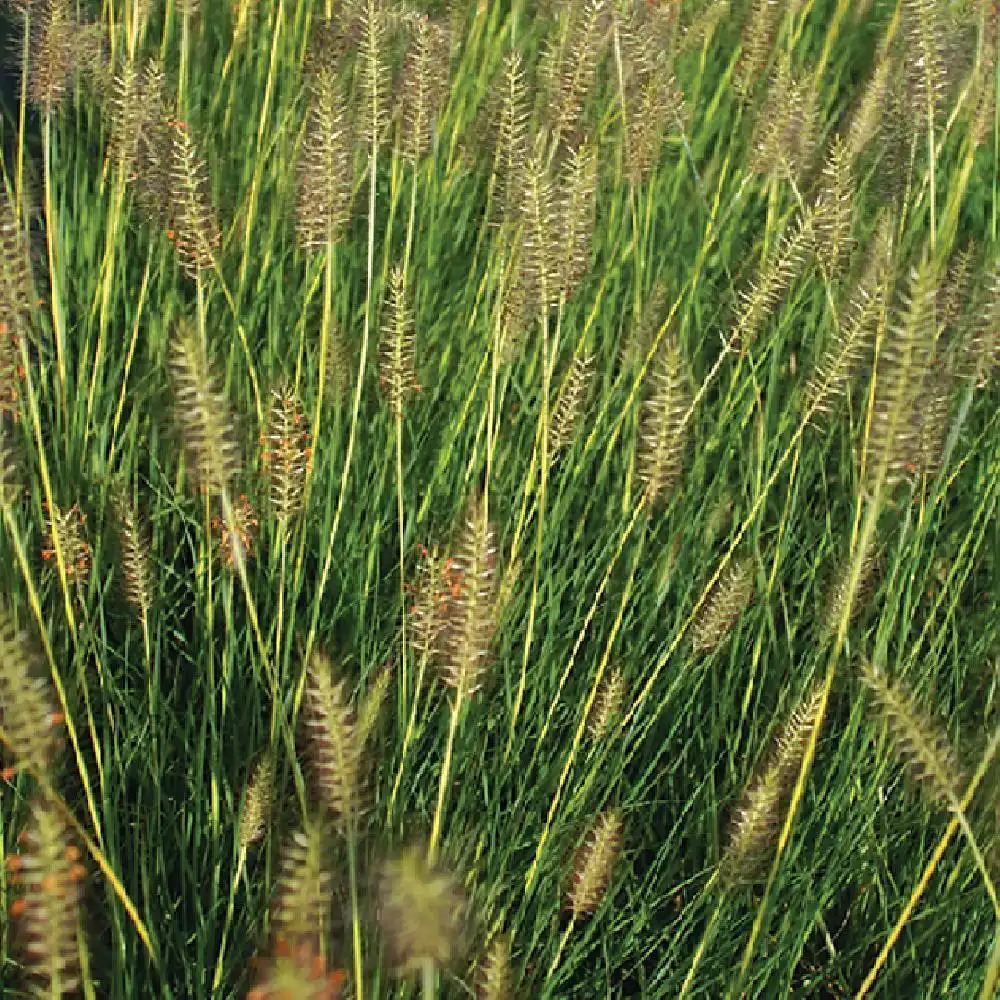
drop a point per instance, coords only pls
(594, 864)
(301, 907)
(422, 911)
(494, 978)
(258, 802)
(471, 624)
(723, 608)
(202, 414)
(331, 736)
(285, 452)
(48, 874)
(27, 708)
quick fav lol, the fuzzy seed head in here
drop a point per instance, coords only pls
(755, 823)
(258, 803)
(69, 528)
(422, 911)
(48, 876)
(575, 218)
(397, 367)
(372, 74)
(136, 567)
(325, 172)
(663, 427)
(471, 624)
(570, 403)
(904, 358)
(495, 980)
(838, 591)
(27, 707)
(574, 68)
(433, 591)
(920, 741)
(594, 865)
(300, 912)
(285, 452)
(785, 134)
(758, 301)
(298, 972)
(202, 414)
(194, 227)
(233, 537)
(53, 53)
(857, 325)
(331, 736)
(509, 119)
(424, 87)
(724, 607)
(607, 705)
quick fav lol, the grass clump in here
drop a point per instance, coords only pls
(437, 441)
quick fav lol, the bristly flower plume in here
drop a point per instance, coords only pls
(202, 414)
(335, 743)
(762, 296)
(15, 302)
(233, 538)
(574, 68)
(569, 403)
(258, 802)
(471, 624)
(724, 607)
(136, 566)
(864, 315)
(785, 134)
(300, 911)
(27, 709)
(295, 971)
(575, 218)
(509, 117)
(980, 352)
(494, 980)
(759, 33)
(326, 166)
(422, 912)
(153, 146)
(53, 53)
(372, 75)
(48, 873)
(837, 609)
(753, 828)
(835, 211)
(866, 118)
(903, 361)
(195, 231)
(424, 87)
(653, 101)
(607, 706)
(69, 528)
(663, 431)
(397, 368)
(926, 60)
(920, 741)
(594, 864)
(285, 452)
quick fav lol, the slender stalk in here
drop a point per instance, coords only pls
(706, 940)
(52, 242)
(457, 707)
(356, 944)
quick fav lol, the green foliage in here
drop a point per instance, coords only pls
(592, 384)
